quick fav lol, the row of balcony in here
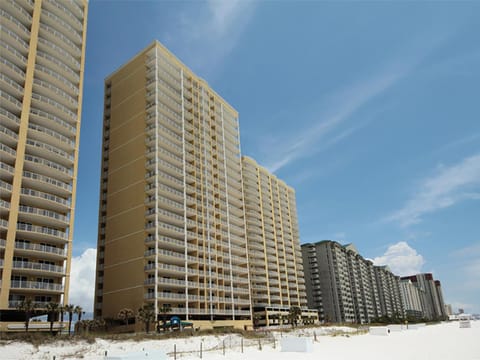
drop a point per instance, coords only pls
(52, 184)
(191, 297)
(64, 142)
(67, 10)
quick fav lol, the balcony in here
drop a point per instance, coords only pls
(55, 123)
(36, 285)
(42, 216)
(60, 40)
(58, 23)
(60, 67)
(44, 73)
(49, 168)
(18, 12)
(48, 251)
(44, 134)
(38, 268)
(44, 200)
(42, 233)
(53, 107)
(10, 103)
(65, 13)
(14, 40)
(47, 184)
(11, 86)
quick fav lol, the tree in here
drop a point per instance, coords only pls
(79, 311)
(146, 314)
(52, 310)
(28, 307)
(293, 315)
(69, 310)
(125, 314)
(164, 310)
(61, 311)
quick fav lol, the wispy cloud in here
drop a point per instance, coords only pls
(324, 132)
(402, 259)
(329, 125)
(446, 188)
(205, 33)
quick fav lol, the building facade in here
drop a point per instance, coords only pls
(172, 217)
(411, 297)
(389, 295)
(431, 295)
(275, 259)
(42, 52)
(345, 287)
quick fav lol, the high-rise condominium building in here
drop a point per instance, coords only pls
(42, 51)
(275, 258)
(172, 222)
(431, 295)
(411, 297)
(345, 287)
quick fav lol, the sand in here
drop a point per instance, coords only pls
(446, 341)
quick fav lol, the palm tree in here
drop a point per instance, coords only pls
(61, 311)
(146, 314)
(293, 315)
(69, 310)
(125, 314)
(28, 307)
(52, 310)
(164, 310)
(79, 311)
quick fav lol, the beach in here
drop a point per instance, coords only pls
(445, 341)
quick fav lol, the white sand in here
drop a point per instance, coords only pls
(435, 342)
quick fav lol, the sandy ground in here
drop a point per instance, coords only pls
(435, 342)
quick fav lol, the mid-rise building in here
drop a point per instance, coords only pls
(42, 52)
(345, 287)
(172, 219)
(276, 268)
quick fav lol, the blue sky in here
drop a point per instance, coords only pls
(370, 110)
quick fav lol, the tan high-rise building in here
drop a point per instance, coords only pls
(42, 51)
(275, 258)
(172, 223)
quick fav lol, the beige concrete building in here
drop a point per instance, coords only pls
(276, 268)
(42, 52)
(172, 222)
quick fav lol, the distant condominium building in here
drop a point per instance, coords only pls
(412, 299)
(345, 287)
(276, 268)
(389, 293)
(42, 52)
(433, 305)
(172, 220)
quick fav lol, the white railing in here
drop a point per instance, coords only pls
(47, 180)
(42, 212)
(15, 284)
(45, 196)
(37, 266)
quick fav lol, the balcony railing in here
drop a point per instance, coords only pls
(42, 212)
(38, 266)
(37, 285)
(42, 230)
(41, 248)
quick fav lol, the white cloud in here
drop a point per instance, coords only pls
(446, 188)
(207, 33)
(402, 259)
(82, 279)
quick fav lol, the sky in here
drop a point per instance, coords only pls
(369, 110)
